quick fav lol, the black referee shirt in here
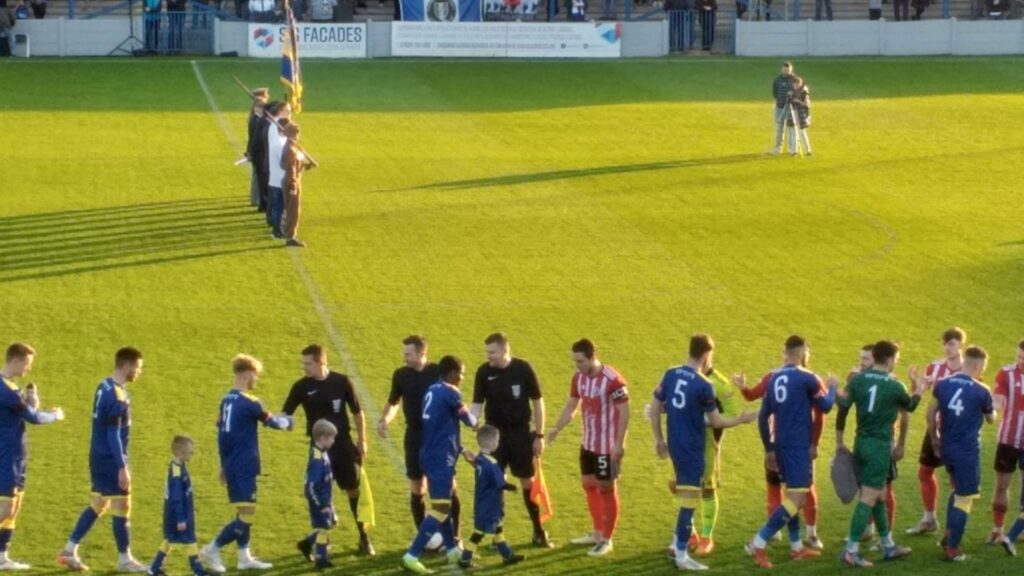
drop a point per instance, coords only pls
(409, 386)
(506, 393)
(325, 399)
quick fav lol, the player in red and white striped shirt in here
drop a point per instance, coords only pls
(602, 393)
(1009, 402)
(953, 342)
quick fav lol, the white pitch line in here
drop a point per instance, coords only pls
(365, 398)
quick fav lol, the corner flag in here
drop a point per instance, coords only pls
(291, 73)
(539, 495)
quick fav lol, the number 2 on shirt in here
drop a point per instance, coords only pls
(426, 404)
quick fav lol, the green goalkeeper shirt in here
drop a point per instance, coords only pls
(879, 397)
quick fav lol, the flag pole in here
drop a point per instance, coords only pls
(273, 120)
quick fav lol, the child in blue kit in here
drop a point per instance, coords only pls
(179, 511)
(319, 484)
(489, 502)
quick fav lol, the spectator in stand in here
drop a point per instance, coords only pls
(38, 9)
(741, 9)
(997, 9)
(680, 24)
(6, 24)
(919, 7)
(875, 9)
(23, 11)
(200, 13)
(176, 25)
(323, 10)
(707, 12)
(827, 4)
(610, 10)
(261, 10)
(576, 10)
(901, 10)
(299, 8)
(151, 20)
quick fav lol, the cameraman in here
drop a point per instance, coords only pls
(782, 91)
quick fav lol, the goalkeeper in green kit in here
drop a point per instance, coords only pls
(879, 397)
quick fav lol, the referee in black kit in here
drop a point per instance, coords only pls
(408, 385)
(505, 390)
(323, 393)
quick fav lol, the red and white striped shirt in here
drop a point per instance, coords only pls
(1010, 385)
(938, 370)
(599, 396)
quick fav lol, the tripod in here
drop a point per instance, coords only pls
(132, 44)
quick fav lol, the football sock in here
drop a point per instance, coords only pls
(322, 540)
(158, 561)
(503, 548)
(196, 565)
(708, 515)
(957, 522)
(455, 513)
(1016, 529)
(858, 524)
(929, 491)
(611, 512)
(998, 515)
(470, 547)
(353, 504)
(811, 507)
(5, 538)
(428, 527)
(773, 499)
(879, 513)
(82, 527)
(534, 510)
(890, 505)
(417, 507)
(596, 506)
(779, 518)
(121, 535)
(684, 527)
(447, 535)
(793, 525)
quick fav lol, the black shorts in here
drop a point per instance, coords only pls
(1008, 459)
(515, 451)
(413, 471)
(894, 472)
(598, 465)
(928, 457)
(345, 462)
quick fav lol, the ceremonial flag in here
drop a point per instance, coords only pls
(291, 73)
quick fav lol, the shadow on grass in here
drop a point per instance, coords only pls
(571, 174)
(72, 242)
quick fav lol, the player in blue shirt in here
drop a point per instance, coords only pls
(489, 502)
(108, 464)
(962, 404)
(688, 398)
(439, 451)
(793, 391)
(240, 417)
(179, 510)
(319, 494)
(16, 408)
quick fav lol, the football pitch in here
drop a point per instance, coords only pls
(628, 202)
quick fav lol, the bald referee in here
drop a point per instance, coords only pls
(505, 390)
(325, 394)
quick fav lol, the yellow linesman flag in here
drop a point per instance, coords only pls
(539, 495)
(365, 512)
(291, 72)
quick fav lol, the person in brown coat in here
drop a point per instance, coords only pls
(293, 161)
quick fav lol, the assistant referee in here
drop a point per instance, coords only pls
(323, 393)
(505, 390)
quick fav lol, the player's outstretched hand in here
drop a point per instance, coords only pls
(382, 429)
(58, 413)
(552, 436)
(832, 381)
(661, 449)
(921, 382)
(747, 416)
(739, 380)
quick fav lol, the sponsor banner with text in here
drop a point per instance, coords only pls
(327, 40)
(507, 40)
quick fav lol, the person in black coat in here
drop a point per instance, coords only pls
(255, 147)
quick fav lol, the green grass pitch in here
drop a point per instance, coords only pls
(629, 202)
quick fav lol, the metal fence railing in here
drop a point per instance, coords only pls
(177, 33)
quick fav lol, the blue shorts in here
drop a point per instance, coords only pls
(12, 477)
(241, 489)
(488, 524)
(104, 474)
(794, 467)
(173, 536)
(440, 481)
(689, 470)
(965, 474)
(317, 519)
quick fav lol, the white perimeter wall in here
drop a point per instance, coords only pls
(879, 38)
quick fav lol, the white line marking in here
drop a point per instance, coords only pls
(365, 398)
